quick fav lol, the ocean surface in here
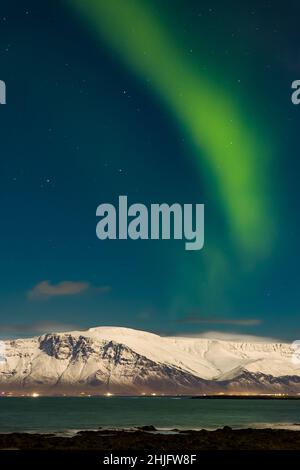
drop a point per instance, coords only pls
(68, 415)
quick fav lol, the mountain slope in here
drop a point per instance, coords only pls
(126, 361)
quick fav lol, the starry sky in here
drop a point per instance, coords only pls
(170, 101)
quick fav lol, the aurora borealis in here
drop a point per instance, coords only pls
(176, 101)
(231, 148)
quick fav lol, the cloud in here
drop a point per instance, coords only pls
(46, 290)
(196, 319)
(236, 337)
(37, 328)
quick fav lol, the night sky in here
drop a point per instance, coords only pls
(170, 101)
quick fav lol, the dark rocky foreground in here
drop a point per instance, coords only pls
(145, 439)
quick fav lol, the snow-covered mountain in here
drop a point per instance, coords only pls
(127, 361)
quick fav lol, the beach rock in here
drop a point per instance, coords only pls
(147, 428)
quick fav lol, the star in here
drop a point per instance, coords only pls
(47, 182)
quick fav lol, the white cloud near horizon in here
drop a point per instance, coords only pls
(231, 336)
(197, 319)
(38, 327)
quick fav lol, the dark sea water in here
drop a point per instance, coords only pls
(67, 414)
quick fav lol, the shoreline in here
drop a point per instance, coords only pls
(151, 429)
(148, 437)
(221, 396)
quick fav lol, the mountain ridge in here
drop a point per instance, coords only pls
(125, 361)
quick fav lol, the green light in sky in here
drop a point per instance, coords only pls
(229, 148)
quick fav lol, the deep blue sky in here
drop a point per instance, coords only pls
(82, 126)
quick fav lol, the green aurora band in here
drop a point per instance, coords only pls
(231, 150)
